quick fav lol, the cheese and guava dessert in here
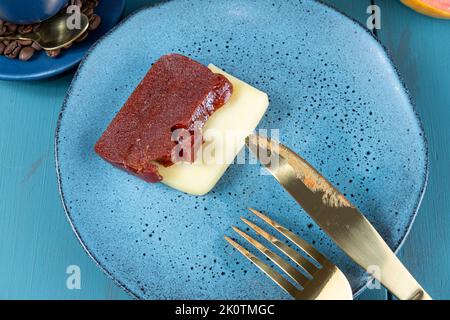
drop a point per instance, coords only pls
(183, 125)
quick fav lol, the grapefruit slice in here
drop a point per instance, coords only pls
(434, 8)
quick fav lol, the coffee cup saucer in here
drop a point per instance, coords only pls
(41, 66)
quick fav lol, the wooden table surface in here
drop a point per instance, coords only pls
(37, 243)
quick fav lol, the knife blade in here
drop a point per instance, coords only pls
(337, 216)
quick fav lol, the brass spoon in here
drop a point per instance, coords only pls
(53, 33)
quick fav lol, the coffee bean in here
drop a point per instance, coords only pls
(11, 26)
(25, 28)
(88, 11)
(78, 3)
(53, 53)
(16, 51)
(26, 53)
(91, 4)
(12, 50)
(25, 49)
(25, 42)
(36, 46)
(94, 22)
(11, 47)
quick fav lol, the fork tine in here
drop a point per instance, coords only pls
(271, 273)
(295, 275)
(302, 244)
(289, 252)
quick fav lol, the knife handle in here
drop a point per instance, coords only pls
(422, 295)
(394, 275)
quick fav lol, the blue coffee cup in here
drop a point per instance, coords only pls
(29, 11)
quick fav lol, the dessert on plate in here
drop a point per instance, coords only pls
(183, 125)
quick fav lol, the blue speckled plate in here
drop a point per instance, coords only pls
(335, 96)
(41, 66)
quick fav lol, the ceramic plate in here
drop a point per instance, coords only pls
(41, 66)
(335, 97)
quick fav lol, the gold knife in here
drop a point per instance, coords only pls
(341, 220)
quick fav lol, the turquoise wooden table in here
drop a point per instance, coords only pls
(37, 244)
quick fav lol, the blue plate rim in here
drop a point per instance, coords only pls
(68, 214)
(55, 71)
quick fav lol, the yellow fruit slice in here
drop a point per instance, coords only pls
(434, 8)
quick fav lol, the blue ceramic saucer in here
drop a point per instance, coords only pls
(335, 96)
(41, 66)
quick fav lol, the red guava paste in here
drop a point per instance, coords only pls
(176, 93)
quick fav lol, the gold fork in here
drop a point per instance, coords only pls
(319, 279)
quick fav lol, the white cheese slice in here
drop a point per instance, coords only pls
(224, 134)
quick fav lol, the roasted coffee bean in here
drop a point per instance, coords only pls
(26, 53)
(11, 47)
(36, 46)
(88, 11)
(53, 53)
(94, 22)
(12, 50)
(25, 49)
(25, 42)
(10, 26)
(25, 28)
(91, 4)
(78, 3)
(16, 52)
